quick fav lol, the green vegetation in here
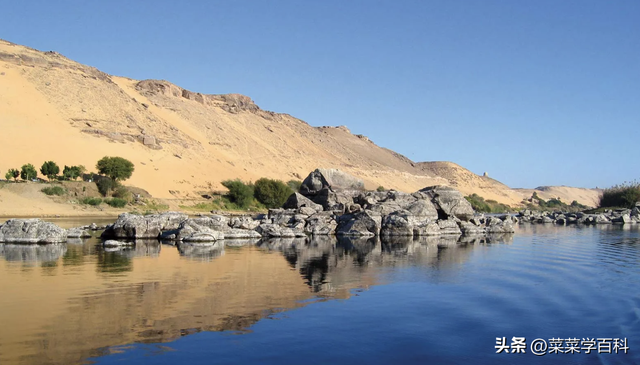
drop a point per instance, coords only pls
(271, 193)
(625, 195)
(50, 169)
(72, 172)
(116, 168)
(380, 189)
(486, 206)
(12, 174)
(151, 207)
(54, 190)
(28, 172)
(537, 203)
(294, 185)
(122, 192)
(116, 202)
(105, 185)
(91, 201)
(240, 193)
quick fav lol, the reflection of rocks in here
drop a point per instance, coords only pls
(240, 242)
(116, 243)
(31, 231)
(201, 251)
(32, 253)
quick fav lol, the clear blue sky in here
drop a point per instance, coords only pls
(541, 92)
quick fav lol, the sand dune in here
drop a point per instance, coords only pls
(184, 143)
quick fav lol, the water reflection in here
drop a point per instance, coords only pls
(149, 293)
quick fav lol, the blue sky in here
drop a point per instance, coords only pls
(533, 92)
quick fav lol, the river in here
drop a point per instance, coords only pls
(327, 301)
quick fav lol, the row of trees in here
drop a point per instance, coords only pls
(116, 168)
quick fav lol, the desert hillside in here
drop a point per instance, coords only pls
(183, 142)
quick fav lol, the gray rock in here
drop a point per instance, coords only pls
(398, 223)
(236, 233)
(243, 222)
(297, 201)
(322, 223)
(468, 228)
(449, 202)
(332, 179)
(275, 230)
(139, 226)
(365, 223)
(31, 231)
(430, 229)
(191, 231)
(78, 233)
(623, 219)
(449, 226)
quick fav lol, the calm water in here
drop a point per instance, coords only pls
(432, 301)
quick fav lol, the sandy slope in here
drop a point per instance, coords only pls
(184, 143)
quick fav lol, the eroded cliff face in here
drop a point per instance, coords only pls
(182, 142)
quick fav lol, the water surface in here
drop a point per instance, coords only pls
(319, 301)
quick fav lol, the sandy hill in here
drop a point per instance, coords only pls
(183, 142)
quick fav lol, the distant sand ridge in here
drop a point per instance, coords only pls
(183, 143)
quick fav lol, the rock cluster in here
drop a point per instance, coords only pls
(618, 216)
(31, 231)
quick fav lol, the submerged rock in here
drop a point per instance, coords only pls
(31, 231)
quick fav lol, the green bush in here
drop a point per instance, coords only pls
(122, 192)
(91, 201)
(240, 193)
(294, 184)
(116, 202)
(380, 189)
(71, 172)
(271, 193)
(625, 195)
(105, 185)
(486, 206)
(54, 190)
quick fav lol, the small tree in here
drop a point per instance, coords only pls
(271, 193)
(71, 173)
(116, 168)
(380, 189)
(50, 169)
(12, 174)
(28, 172)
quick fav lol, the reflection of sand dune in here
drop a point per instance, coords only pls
(99, 299)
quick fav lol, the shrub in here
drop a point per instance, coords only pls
(54, 190)
(116, 168)
(486, 206)
(116, 202)
(625, 195)
(50, 169)
(239, 192)
(294, 184)
(271, 193)
(105, 185)
(28, 172)
(380, 189)
(91, 201)
(121, 192)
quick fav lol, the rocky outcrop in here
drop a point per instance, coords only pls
(618, 216)
(136, 226)
(332, 189)
(449, 202)
(31, 231)
(365, 223)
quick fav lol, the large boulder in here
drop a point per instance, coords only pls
(243, 222)
(333, 179)
(143, 226)
(365, 223)
(31, 231)
(449, 202)
(298, 201)
(191, 230)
